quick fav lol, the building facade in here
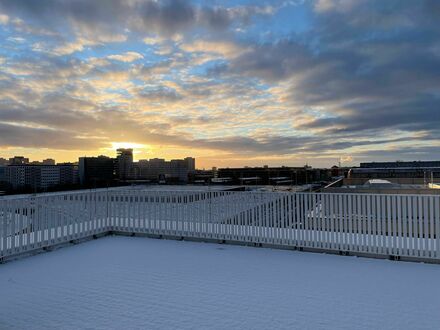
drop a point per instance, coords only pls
(162, 170)
(18, 160)
(96, 171)
(39, 177)
(124, 164)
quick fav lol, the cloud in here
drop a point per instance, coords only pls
(275, 61)
(127, 57)
(221, 18)
(29, 137)
(166, 18)
(160, 94)
(322, 6)
(226, 49)
(151, 40)
(4, 19)
(360, 83)
(216, 18)
(68, 48)
(344, 78)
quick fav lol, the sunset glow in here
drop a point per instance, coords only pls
(231, 83)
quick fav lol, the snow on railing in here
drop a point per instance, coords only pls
(373, 224)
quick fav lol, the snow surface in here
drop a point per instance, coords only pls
(140, 283)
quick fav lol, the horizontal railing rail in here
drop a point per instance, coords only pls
(373, 224)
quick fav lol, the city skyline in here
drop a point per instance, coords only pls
(231, 83)
(29, 160)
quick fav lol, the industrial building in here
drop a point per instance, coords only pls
(273, 175)
(391, 177)
(398, 164)
(416, 174)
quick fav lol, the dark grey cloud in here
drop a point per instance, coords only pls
(372, 67)
(287, 145)
(217, 18)
(59, 15)
(220, 18)
(272, 62)
(400, 153)
(160, 94)
(29, 137)
(109, 16)
(169, 16)
(164, 17)
(422, 113)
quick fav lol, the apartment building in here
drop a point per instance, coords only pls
(39, 177)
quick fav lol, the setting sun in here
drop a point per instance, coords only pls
(130, 145)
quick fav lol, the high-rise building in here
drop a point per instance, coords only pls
(157, 167)
(48, 161)
(69, 173)
(191, 164)
(2, 173)
(39, 177)
(18, 160)
(160, 169)
(124, 163)
(19, 176)
(102, 171)
(96, 171)
(49, 176)
(144, 171)
(177, 170)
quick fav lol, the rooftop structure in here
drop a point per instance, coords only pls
(273, 175)
(384, 186)
(421, 173)
(397, 164)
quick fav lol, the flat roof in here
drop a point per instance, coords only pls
(141, 283)
(396, 169)
(214, 187)
(153, 187)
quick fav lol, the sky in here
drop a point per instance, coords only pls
(232, 83)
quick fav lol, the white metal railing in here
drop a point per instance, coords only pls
(378, 224)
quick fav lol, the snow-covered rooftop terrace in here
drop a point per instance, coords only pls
(140, 283)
